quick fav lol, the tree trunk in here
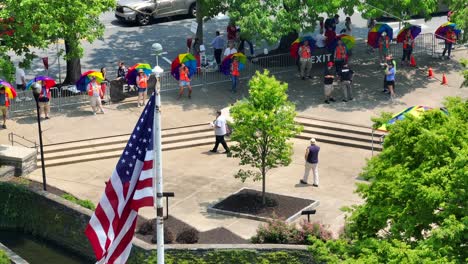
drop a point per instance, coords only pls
(285, 43)
(263, 185)
(73, 61)
(199, 34)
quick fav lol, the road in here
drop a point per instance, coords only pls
(132, 44)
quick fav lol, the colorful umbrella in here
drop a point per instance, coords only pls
(133, 72)
(348, 40)
(415, 30)
(9, 90)
(85, 79)
(187, 59)
(49, 82)
(442, 30)
(294, 50)
(375, 33)
(226, 64)
(415, 111)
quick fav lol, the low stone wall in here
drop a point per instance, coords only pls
(23, 159)
(14, 258)
(57, 220)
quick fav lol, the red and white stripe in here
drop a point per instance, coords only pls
(112, 225)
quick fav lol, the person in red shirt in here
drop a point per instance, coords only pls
(305, 54)
(450, 39)
(142, 84)
(339, 56)
(330, 36)
(231, 31)
(184, 80)
(234, 74)
(408, 45)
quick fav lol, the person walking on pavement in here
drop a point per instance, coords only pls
(218, 45)
(104, 84)
(390, 79)
(219, 126)
(346, 78)
(305, 55)
(142, 85)
(184, 80)
(311, 162)
(94, 92)
(328, 83)
(21, 83)
(4, 104)
(408, 45)
(340, 56)
(234, 74)
(384, 46)
(122, 70)
(450, 39)
(44, 100)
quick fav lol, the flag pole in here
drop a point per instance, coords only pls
(158, 176)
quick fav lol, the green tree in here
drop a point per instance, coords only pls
(459, 17)
(464, 63)
(263, 124)
(415, 208)
(39, 23)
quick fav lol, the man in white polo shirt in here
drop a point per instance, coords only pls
(219, 126)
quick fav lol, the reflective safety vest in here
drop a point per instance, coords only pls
(142, 82)
(45, 93)
(385, 41)
(184, 74)
(235, 68)
(340, 53)
(92, 88)
(407, 41)
(304, 52)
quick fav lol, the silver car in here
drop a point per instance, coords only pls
(127, 10)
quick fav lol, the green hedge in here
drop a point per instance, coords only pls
(227, 257)
(4, 258)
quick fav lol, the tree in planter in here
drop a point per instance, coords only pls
(263, 124)
(39, 23)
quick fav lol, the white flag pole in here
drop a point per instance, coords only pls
(158, 176)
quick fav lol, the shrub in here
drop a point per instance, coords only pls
(168, 236)
(149, 228)
(4, 258)
(278, 231)
(85, 203)
(188, 236)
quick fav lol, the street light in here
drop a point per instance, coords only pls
(36, 89)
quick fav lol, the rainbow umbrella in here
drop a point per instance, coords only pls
(187, 59)
(49, 82)
(415, 111)
(375, 33)
(442, 30)
(348, 40)
(415, 30)
(133, 72)
(294, 49)
(226, 64)
(9, 90)
(85, 79)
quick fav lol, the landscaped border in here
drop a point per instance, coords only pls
(211, 209)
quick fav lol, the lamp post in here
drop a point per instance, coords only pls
(157, 161)
(36, 89)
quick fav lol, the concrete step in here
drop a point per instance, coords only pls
(340, 141)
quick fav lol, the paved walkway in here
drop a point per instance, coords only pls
(200, 179)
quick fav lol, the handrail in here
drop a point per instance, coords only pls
(11, 138)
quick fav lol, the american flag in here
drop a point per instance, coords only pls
(130, 187)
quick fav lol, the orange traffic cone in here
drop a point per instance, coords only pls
(412, 62)
(430, 74)
(444, 79)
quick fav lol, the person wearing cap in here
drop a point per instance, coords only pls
(142, 85)
(219, 126)
(328, 83)
(384, 45)
(311, 162)
(4, 104)
(184, 80)
(95, 92)
(346, 78)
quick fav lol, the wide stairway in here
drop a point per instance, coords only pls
(325, 131)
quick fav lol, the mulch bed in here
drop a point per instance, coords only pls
(249, 201)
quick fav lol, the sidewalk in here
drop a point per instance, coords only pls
(199, 179)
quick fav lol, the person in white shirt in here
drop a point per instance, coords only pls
(219, 126)
(230, 49)
(21, 83)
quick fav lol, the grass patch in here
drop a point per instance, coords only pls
(85, 203)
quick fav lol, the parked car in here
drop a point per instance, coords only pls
(127, 10)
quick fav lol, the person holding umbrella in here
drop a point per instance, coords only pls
(94, 92)
(450, 39)
(4, 103)
(44, 100)
(184, 80)
(142, 84)
(408, 45)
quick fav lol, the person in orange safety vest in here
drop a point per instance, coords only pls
(305, 61)
(340, 56)
(408, 45)
(234, 74)
(450, 39)
(142, 85)
(184, 80)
